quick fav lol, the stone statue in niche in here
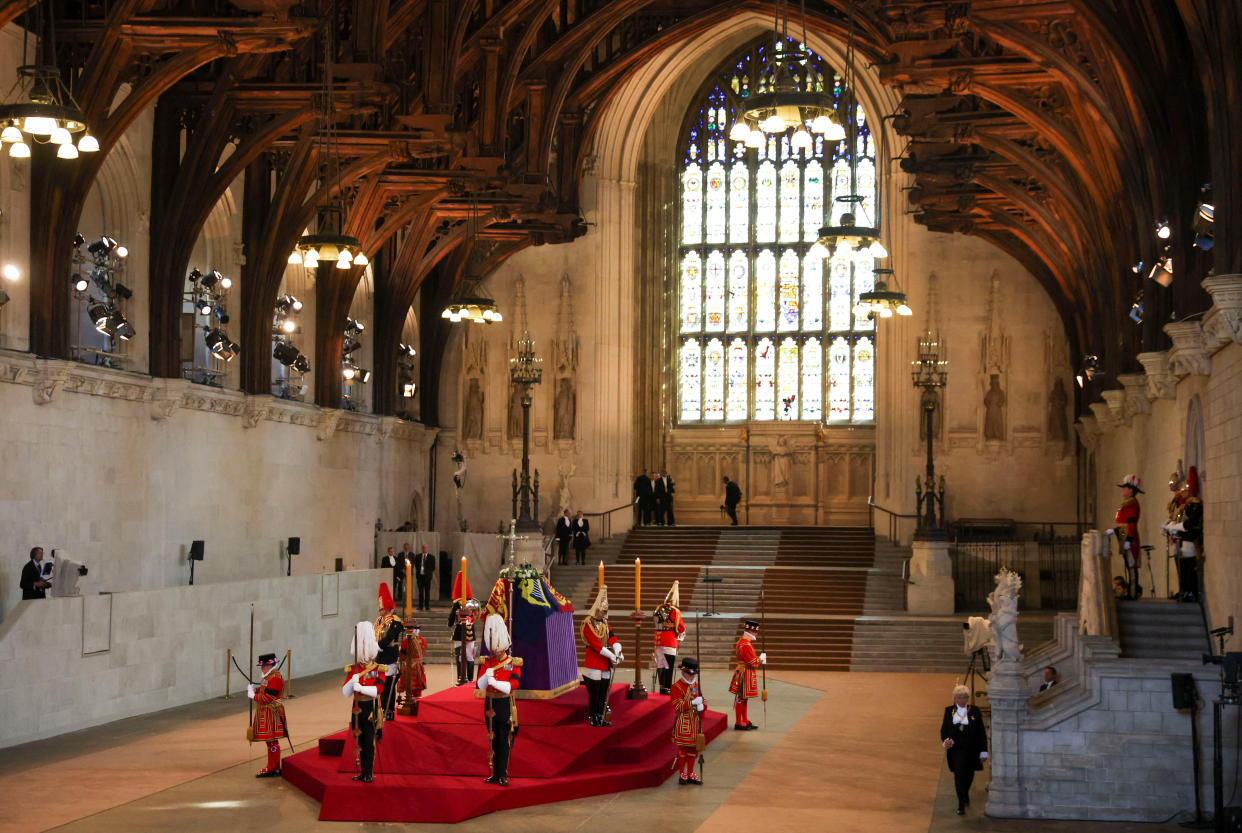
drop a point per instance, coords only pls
(566, 410)
(930, 397)
(994, 410)
(1057, 400)
(472, 413)
(781, 459)
(515, 412)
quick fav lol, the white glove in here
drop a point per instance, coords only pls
(616, 648)
(349, 686)
(250, 691)
(481, 683)
(681, 637)
(697, 702)
(607, 654)
(1110, 532)
(983, 756)
(367, 690)
(763, 658)
(503, 686)
(1127, 545)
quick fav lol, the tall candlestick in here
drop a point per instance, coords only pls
(638, 584)
(408, 589)
(601, 575)
(464, 583)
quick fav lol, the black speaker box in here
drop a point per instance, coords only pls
(295, 546)
(340, 565)
(1183, 691)
(196, 551)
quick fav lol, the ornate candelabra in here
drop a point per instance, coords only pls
(526, 370)
(929, 372)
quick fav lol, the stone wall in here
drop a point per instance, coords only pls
(123, 471)
(1106, 743)
(1186, 407)
(90, 660)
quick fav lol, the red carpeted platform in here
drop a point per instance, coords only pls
(431, 768)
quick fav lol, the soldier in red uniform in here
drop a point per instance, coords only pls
(670, 630)
(688, 707)
(602, 652)
(1126, 530)
(365, 684)
(499, 675)
(268, 725)
(414, 677)
(388, 632)
(745, 682)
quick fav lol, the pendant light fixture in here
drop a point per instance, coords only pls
(471, 304)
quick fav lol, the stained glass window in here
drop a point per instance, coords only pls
(748, 218)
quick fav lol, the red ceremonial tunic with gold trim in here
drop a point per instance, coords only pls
(745, 682)
(418, 674)
(669, 625)
(269, 712)
(597, 635)
(1126, 522)
(686, 719)
(368, 674)
(503, 671)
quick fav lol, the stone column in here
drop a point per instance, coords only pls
(931, 579)
(1007, 695)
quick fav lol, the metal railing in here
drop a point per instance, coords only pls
(894, 519)
(604, 524)
(1050, 568)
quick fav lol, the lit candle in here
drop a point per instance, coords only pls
(464, 583)
(601, 575)
(408, 589)
(638, 584)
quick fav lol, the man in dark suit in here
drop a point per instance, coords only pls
(643, 495)
(664, 489)
(389, 560)
(733, 496)
(424, 569)
(33, 585)
(582, 538)
(965, 742)
(1050, 678)
(564, 535)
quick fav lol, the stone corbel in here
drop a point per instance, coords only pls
(255, 411)
(329, 419)
(167, 396)
(1226, 315)
(1136, 401)
(48, 381)
(1189, 355)
(1088, 431)
(1104, 418)
(384, 429)
(1160, 385)
(1116, 400)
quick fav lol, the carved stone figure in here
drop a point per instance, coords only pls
(515, 412)
(1058, 431)
(994, 411)
(472, 413)
(930, 397)
(566, 410)
(1004, 619)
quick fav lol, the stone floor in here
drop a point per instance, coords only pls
(842, 752)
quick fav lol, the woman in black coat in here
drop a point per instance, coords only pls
(965, 742)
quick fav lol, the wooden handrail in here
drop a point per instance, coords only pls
(606, 518)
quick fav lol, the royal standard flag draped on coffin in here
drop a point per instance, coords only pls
(542, 623)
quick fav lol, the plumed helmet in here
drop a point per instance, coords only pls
(364, 645)
(461, 587)
(599, 610)
(495, 634)
(385, 597)
(1132, 481)
(673, 598)
(1192, 481)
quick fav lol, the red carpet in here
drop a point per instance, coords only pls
(430, 768)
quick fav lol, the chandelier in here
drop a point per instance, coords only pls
(929, 370)
(329, 246)
(472, 305)
(882, 302)
(39, 107)
(787, 101)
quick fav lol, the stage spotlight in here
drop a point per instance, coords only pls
(214, 339)
(195, 275)
(348, 372)
(1163, 231)
(284, 305)
(297, 305)
(226, 283)
(1162, 271)
(1090, 369)
(98, 248)
(1137, 268)
(289, 326)
(124, 330)
(349, 346)
(365, 375)
(209, 280)
(124, 291)
(11, 272)
(408, 389)
(80, 283)
(205, 308)
(78, 240)
(285, 353)
(301, 364)
(1204, 224)
(1136, 310)
(97, 311)
(221, 315)
(122, 251)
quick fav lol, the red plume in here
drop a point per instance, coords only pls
(461, 593)
(385, 597)
(1192, 481)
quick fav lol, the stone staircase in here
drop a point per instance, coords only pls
(929, 644)
(1159, 629)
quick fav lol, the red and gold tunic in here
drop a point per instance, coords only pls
(745, 682)
(504, 670)
(597, 635)
(669, 626)
(687, 722)
(415, 647)
(269, 711)
(1126, 523)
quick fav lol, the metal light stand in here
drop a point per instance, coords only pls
(929, 372)
(637, 691)
(526, 369)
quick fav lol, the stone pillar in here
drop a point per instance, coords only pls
(1007, 695)
(931, 579)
